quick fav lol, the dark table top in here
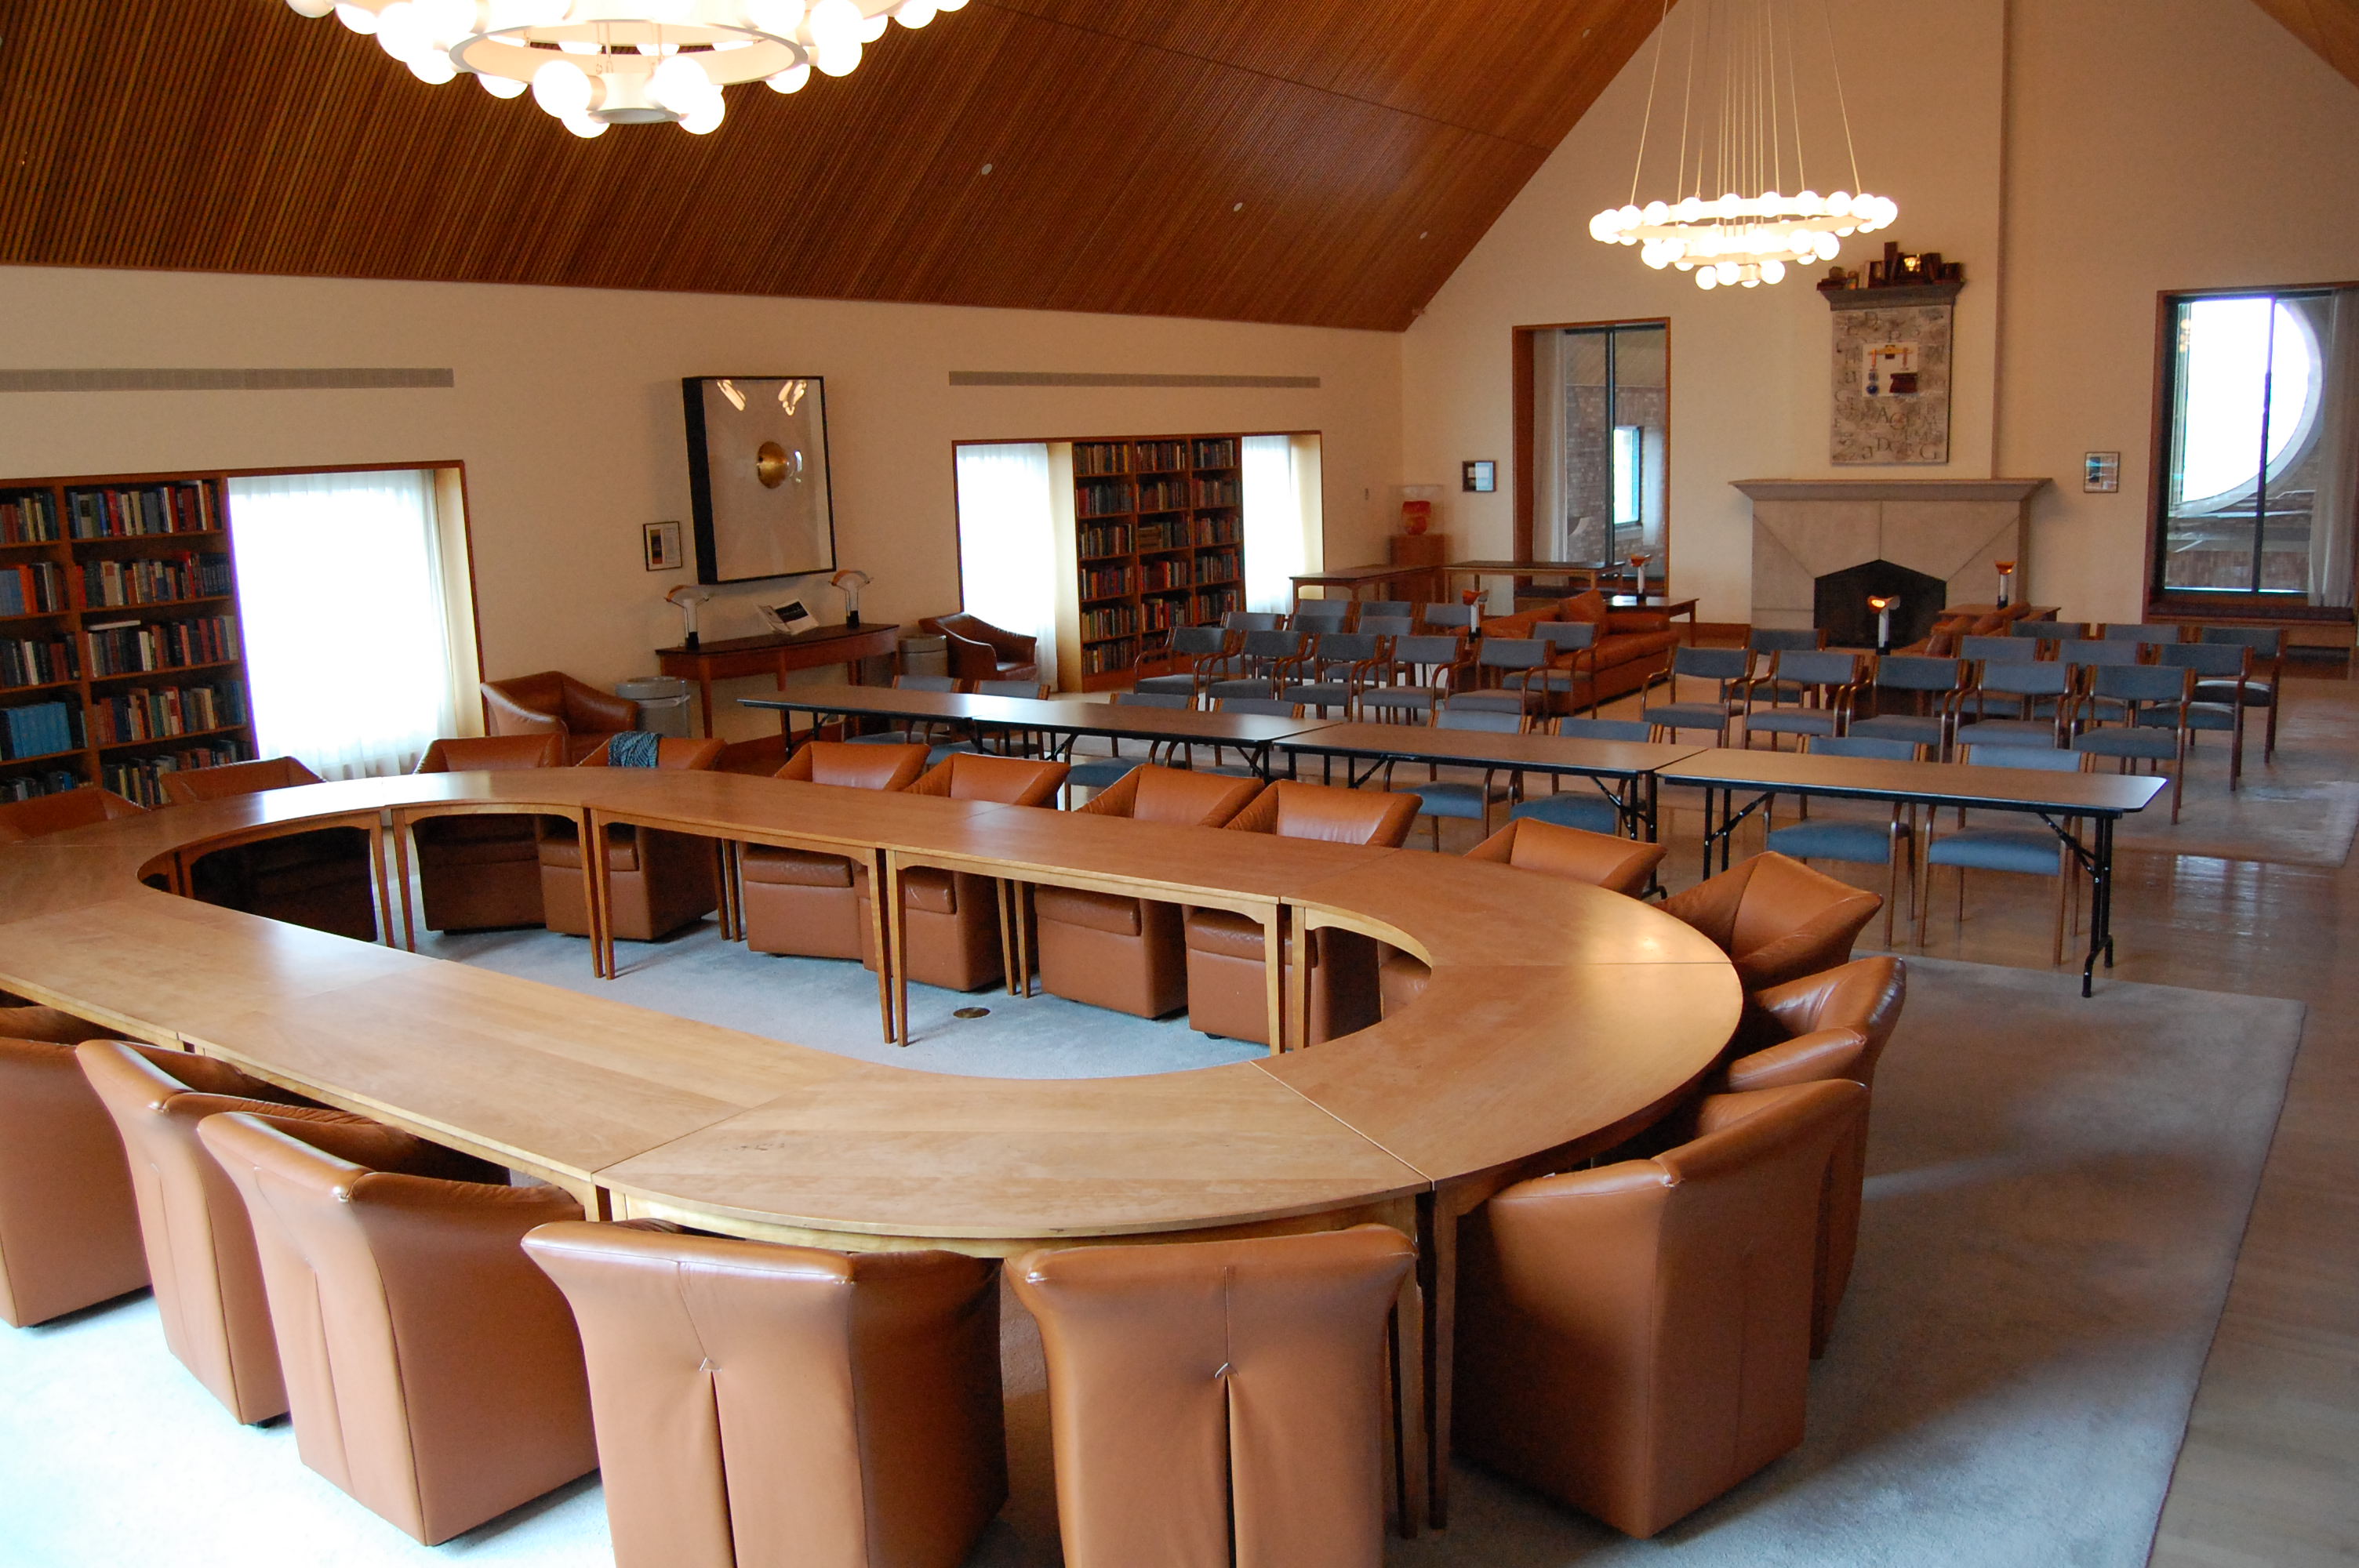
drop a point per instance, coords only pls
(1481, 748)
(835, 633)
(1068, 715)
(1940, 784)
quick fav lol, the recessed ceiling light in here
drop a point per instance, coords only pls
(987, 169)
(1238, 208)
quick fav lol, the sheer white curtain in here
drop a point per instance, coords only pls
(2334, 514)
(1281, 521)
(347, 647)
(1007, 550)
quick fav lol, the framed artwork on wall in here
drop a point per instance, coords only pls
(662, 541)
(758, 476)
(2101, 472)
(1480, 475)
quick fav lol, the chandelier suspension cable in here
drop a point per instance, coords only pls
(1648, 122)
(1842, 104)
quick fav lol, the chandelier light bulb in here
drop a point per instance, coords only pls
(914, 14)
(706, 117)
(446, 21)
(680, 85)
(399, 33)
(872, 27)
(583, 127)
(565, 90)
(791, 79)
(432, 68)
(315, 9)
(500, 86)
(359, 18)
(839, 60)
(778, 16)
(835, 22)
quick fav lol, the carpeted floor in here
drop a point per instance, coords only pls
(2057, 1190)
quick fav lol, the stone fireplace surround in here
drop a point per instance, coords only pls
(1952, 529)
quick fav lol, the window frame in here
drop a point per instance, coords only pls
(1526, 492)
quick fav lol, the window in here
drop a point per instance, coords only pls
(2256, 490)
(1629, 468)
(1599, 418)
(1007, 551)
(1281, 517)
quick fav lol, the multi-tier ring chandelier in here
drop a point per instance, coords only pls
(1741, 52)
(595, 63)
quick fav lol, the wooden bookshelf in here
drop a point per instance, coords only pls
(118, 634)
(1159, 525)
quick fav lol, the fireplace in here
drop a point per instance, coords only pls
(1839, 603)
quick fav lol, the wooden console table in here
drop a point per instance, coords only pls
(775, 653)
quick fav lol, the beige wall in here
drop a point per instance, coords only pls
(2077, 154)
(566, 414)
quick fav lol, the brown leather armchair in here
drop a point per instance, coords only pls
(319, 879)
(1775, 918)
(45, 814)
(1634, 1340)
(803, 901)
(69, 1229)
(1126, 953)
(1226, 989)
(657, 880)
(433, 1373)
(1601, 859)
(482, 873)
(951, 918)
(554, 703)
(1220, 1401)
(199, 1247)
(980, 651)
(759, 1406)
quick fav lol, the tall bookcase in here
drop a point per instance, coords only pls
(1159, 533)
(120, 658)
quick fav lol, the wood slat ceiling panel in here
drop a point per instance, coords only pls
(2330, 28)
(235, 135)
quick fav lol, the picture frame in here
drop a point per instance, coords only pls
(1480, 475)
(661, 542)
(2101, 472)
(760, 484)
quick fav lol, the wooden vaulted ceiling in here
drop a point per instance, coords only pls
(2330, 29)
(1372, 143)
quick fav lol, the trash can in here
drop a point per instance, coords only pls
(925, 655)
(663, 703)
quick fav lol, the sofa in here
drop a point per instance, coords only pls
(1951, 625)
(1631, 646)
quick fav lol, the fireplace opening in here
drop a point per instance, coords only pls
(1839, 603)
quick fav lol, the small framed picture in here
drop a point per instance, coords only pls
(663, 547)
(1482, 476)
(2101, 471)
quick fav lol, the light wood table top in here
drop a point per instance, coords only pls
(1063, 715)
(1940, 783)
(1484, 748)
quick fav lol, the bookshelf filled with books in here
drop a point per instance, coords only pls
(120, 655)
(1159, 537)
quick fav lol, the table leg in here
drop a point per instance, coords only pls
(2101, 906)
(876, 932)
(593, 893)
(732, 913)
(1005, 890)
(897, 927)
(1297, 986)
(1024, 928)
(1273, 961)
(704, 690)
(402, 833)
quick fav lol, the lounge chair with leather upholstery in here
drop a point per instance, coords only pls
(482, 871)
(54, 813)
(1124, 953)
(432, 1372)
(803, 901)
(69, 1226)
(554, 703)
(1634, 1340)
(1219, 1403)
(659, 880)
(760, 1406)
(1227, 992)
(980, 651)
(1775, 918)
(320, 879)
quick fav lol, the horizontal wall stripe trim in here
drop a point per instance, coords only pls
(1099, 378)
(322, 380)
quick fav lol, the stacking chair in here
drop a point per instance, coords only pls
(1727, 668)
(1571, 650)
(1022, 743)
(1100, 772)
(1439, 797)
(554, 703)
(1635, 1340)
(2146, 633)
(759, 1406)
(482, 873)
(1321, 615)
(804, 901)
(2222, 670)
(2082, 655)
(1775, 918)
(1375, 625)
(320, 879)
(1219, 1403)
(657, 880)
(951, 919)
(1203, 648)
(1422, 673)
(2151, 701)
(1766, 642)
(54, 813)
(2261, 685)
(1226, 951)
(2029, 687)
(903, 732)
(2046, 631)
(2027, 852)
(432, 1372)
(1252, 670)
(1509, 677)
(1585, 806)
(1123, 953)
(1460, 620)
(1934, 688)
(1333, 670)
(1388, 608)
(1253, 620)
(1825, 687)
(69, 1226)
(1883, 844)
(2008, 650)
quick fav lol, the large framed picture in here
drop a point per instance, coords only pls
(758, 476)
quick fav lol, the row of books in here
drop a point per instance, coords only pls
(127, 647)
(1212, 607)
(1120, 621)
(27, 786)
(27, 517)
(1101, 456)
(1107, 582)
(1170, 535)
(1161, 456)
(1162, 494)
(157, 713)
(158, 582)
(1157, 576)
(1216, 454)
(43, 661)
(189, 506)
(39, 730)
(1218, 531)
(1218, 493)
(1105, 498)
(32, 590)
(1221, 567)
(1104, 658)
(143, 780)
(1162, 614)
(1112, 539)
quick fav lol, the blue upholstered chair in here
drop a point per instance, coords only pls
(1253, 620)
(1728, 669)
(2040, 695)
(1444, 618)
(2261, 684)
(1934, 688)
(1504, 668)
(910, 732)
(1412, 685)
(2148, 632)
(1253, 669)
(2151, 701)
(2002, 650)
(1376, 625)
(1320, 615)
(1857, 842)
(1824, 687)
(1200, 647)
(2033, 851)
(1331, 672)
(2046, 631)
(1389, 607)
(1586, 805)
(1439, 797)
(2222, 670)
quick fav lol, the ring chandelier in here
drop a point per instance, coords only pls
(595, 63)
(1745, 51)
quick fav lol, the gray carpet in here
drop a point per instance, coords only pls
(2057, 1191)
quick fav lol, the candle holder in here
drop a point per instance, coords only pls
(2005, 582)
(1638, 559)
(1882, 603)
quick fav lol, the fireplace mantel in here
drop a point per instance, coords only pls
(1949, 529)
(2007, 490)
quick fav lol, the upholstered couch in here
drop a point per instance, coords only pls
(1949, 625)
(1631, 645)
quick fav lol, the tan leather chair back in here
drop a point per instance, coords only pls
(1010, 781)
(672, 753)
(237, 778)
(1219, 1403)
(433, 1373)
(1775, 918)
(69, 1229)
(1152, 793)
(1338, 816)
(765, 1404)
(1866, 995)
(847, 766)
(493, 753)
(45, 814)
(1601, 859)
(553, 701)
